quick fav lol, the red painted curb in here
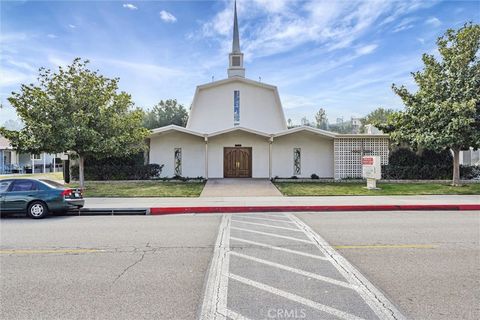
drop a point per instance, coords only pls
(236, 209)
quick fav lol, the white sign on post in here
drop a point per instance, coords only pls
(371, 170)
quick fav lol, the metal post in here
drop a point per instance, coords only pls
(54, 162)
(44, 162)
(33, 163)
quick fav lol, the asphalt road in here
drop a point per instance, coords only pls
(425, 264)
(429, 264)
(148, 267)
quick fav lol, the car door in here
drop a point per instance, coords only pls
(19, 194)
(4, 185)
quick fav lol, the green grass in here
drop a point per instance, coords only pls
(358, 189)
(142, 189)
(48, 175)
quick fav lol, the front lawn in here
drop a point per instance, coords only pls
(142, 189)
(357, 189)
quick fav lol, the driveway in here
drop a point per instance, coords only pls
(240, 188)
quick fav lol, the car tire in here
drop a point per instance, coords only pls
(37, 210)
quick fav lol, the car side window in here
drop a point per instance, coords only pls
(24, 185)
(4, 185)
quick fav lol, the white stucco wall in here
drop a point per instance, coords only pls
(193, 153)
(316, 155)
(260, 108)
(259, 147)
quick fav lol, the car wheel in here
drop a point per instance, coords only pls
(37, 210)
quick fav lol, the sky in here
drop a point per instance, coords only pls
(342, 56)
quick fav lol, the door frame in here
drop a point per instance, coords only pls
(250, 160)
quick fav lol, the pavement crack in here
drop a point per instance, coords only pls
(129, 267)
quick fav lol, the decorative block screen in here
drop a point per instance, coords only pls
(178, 161)
(297, 161)
(348, 153)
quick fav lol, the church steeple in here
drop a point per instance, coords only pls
(236, 68)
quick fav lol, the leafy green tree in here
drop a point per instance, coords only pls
(377, 116)
(321, 119)
(76, 110)
(166, 113)
(444, 113)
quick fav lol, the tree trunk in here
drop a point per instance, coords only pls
(81, 170)
(456, 167)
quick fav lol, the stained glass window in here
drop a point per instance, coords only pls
(236, 107)
(178, 161)
(297, 161)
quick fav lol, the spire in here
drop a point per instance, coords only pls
(235, 65)
(236, 37)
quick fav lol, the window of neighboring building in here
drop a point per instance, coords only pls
(178, 161)
(36, 157)
(236, 107)
(297, 161)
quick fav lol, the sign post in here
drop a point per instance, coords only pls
(371, 170)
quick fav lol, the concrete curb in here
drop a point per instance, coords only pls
(236, 209)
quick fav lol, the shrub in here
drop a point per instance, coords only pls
(428, 172)
(314, 176)
(403, 157)
(404, 164)
(119, 172)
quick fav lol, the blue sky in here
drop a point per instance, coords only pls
(339, 55)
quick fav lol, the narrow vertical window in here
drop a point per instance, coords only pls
(297, 161)
(236, 107)
(178, 161)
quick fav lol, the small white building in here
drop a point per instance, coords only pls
(237, 129)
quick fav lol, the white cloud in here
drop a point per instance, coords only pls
(167, 16)
(72, 26)
(367, 49)
(405, 24)
(9, 77)
(51, 36)
(269, 28)
(433, 21)
(129, 6)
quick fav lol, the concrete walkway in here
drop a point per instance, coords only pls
(240, 188)
(279, 201)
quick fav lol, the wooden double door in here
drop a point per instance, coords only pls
(237, 162)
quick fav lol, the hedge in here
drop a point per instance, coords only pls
(428, 172)
(119, 172)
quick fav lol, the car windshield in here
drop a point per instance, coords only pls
(52, 184)
(4, 185)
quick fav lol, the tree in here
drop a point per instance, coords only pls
(304, 121)
(165, 113)
(76, 110)
(377, 116)
(445, 110)
(289, 123)
(321, 119)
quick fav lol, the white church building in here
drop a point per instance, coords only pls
(237, 129)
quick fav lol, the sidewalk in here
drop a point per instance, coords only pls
(97, 203)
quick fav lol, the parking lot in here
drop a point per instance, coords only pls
(346, 265)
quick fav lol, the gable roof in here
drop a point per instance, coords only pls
(243, 129)
(174, 128)
(320, 132)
